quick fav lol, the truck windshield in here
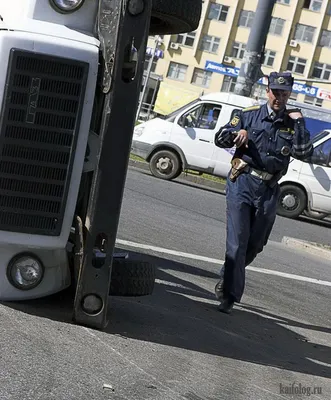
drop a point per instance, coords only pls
(171, 117)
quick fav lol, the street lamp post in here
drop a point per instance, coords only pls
(250, 70)
(158, 41)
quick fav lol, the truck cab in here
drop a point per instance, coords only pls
(70, 78)
(48, 75)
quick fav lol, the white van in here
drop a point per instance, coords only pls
(307, 185)
(184, 140)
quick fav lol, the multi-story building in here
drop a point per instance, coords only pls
(209, 59)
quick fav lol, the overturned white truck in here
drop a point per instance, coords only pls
(70, 78)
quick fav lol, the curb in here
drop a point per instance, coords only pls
(308, 247)
(197, 180)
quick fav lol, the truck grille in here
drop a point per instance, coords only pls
(39, 125)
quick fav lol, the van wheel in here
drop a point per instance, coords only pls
(292, 201)
(165, 164)
(175, 16)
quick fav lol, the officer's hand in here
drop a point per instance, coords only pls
(241, 138)
(295, 115)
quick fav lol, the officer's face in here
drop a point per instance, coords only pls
(277, 98)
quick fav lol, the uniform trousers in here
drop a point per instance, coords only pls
(251, 213)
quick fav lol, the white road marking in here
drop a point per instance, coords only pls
(168, 251)
(217, 261)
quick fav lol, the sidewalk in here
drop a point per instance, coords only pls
(315, 249)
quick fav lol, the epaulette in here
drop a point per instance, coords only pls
(252, 108)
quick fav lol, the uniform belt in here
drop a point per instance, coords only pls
(265, 176)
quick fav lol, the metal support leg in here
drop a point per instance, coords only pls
(123, 27)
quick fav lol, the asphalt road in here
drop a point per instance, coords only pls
(175, 344)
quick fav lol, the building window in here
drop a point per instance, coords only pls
(177, 71)
(201, 77)
(186, 39)
(304, 33)
(229, 83)
(246, 18)
(276, 26)
(210, 44)
(314, 101)
(313, 5)
(269, 58)
(218, 12)
(238, 50)
(325, 40)
(296, 64)
(321, 71)
(283, 1)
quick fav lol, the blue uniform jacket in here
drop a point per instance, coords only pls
(271, 142)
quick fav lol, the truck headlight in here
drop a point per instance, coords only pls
(66, 6)
(25, 271)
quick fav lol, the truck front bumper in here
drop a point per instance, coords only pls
(56, 276)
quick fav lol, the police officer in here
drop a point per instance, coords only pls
(265, 138)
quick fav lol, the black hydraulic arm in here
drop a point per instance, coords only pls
(123, 27)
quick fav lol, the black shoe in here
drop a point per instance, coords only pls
(226, 306)
(219, 288)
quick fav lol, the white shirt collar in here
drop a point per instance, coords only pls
(272, 114)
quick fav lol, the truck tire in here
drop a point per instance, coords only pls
(132, 278)
(175, 16)
(291, 202)
(165, 164)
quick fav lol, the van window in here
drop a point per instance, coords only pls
(172, 116)
(204, 116)
(322, 154)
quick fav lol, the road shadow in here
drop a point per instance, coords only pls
(182, 313)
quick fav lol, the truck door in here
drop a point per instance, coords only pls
(317, 175)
